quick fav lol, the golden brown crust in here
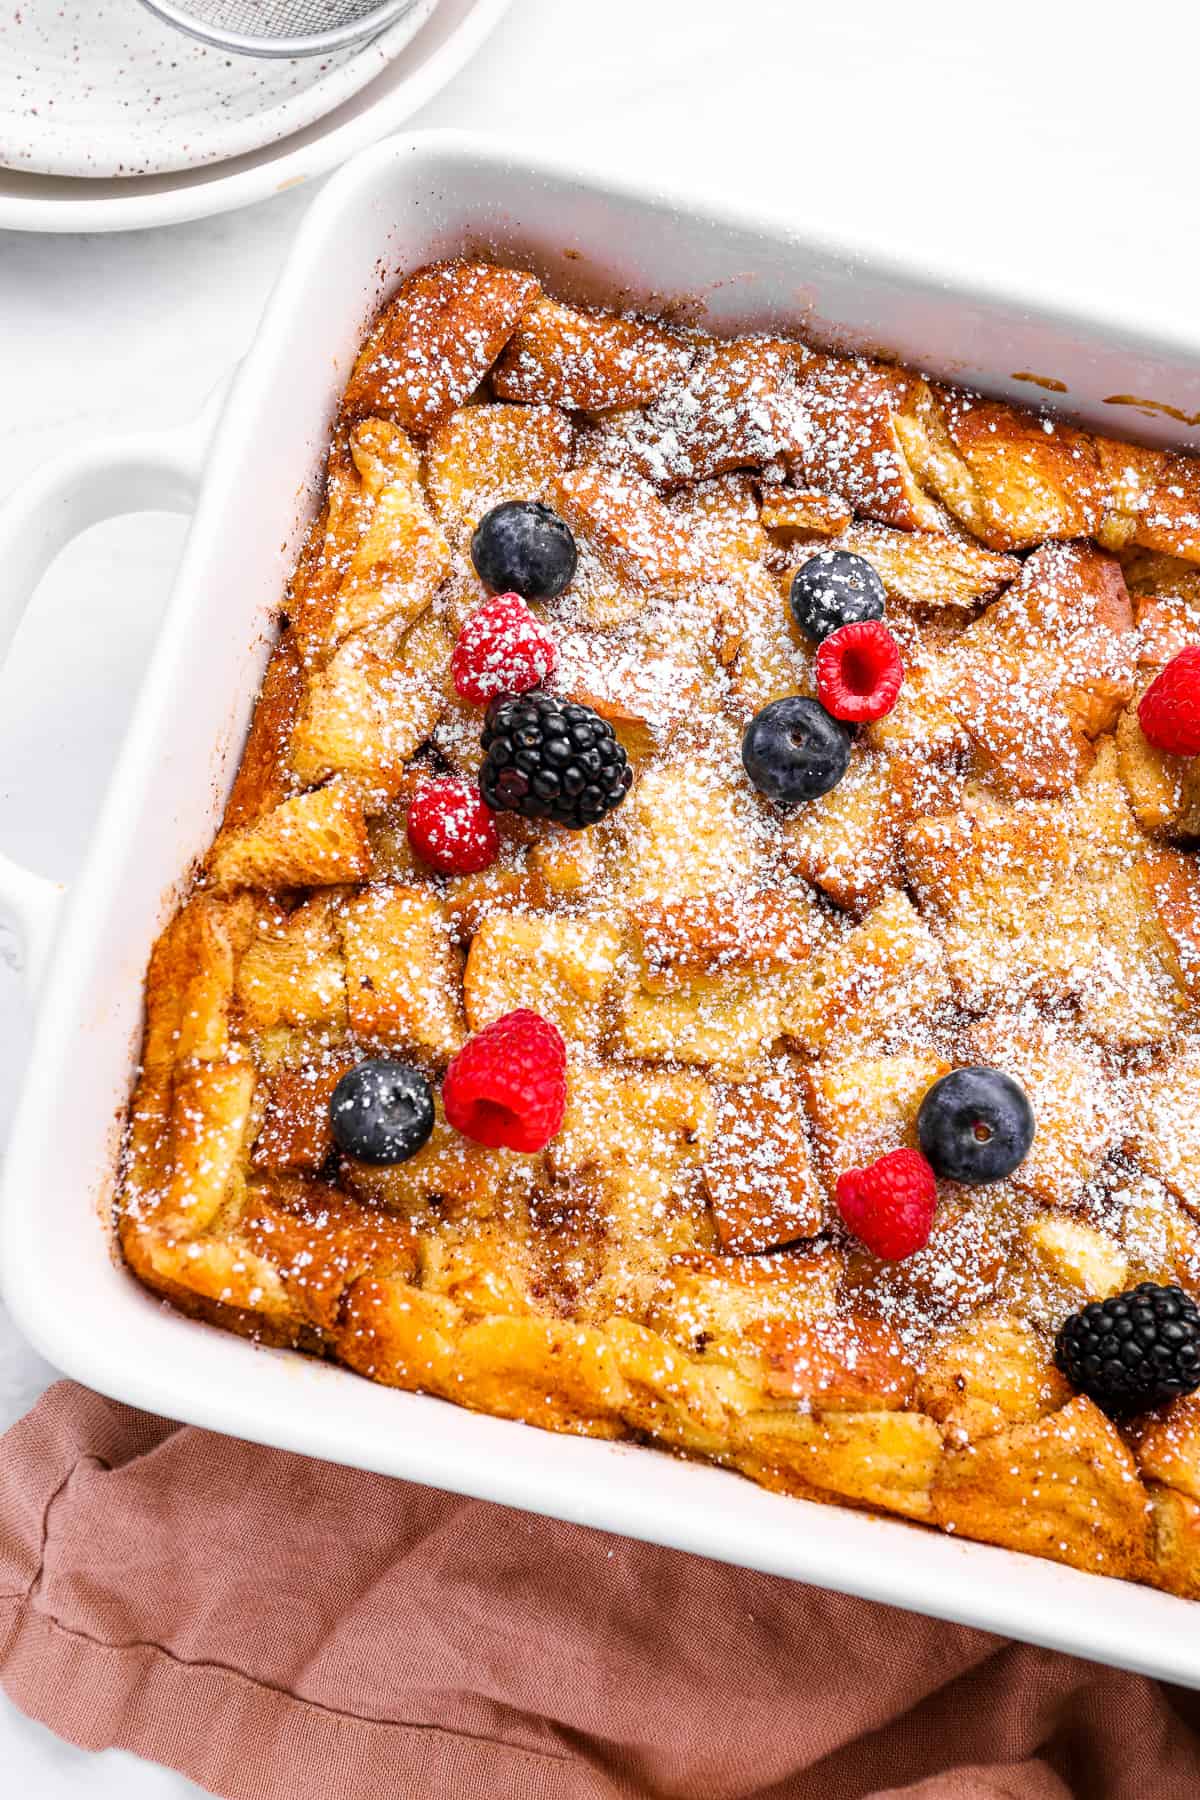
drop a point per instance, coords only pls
(434, 342)
(752, 1003)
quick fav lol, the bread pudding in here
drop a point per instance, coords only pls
(703, 945)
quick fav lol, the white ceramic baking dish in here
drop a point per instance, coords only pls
(397, 206)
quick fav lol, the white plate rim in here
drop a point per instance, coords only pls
(277, 168)
(278, 112)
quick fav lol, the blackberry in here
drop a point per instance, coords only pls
(548, 758)
(1134, 1351)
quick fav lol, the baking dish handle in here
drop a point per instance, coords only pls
(142, 472)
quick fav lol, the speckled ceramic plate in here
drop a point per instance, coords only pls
(101, 88)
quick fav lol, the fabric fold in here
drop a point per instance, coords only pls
(265, 1623)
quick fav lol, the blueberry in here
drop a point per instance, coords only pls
(381, 1111)
(834, 588)
(524, 548)
(975, 1125)
(794, 750)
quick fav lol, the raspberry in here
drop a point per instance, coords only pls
(859, 671)
(501, 649)
(507, 1087)
(1169, 713)
(889, 1205)
(451, 829)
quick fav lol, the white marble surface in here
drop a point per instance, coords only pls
(1051, 145)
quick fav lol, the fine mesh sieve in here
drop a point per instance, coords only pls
(280, 27)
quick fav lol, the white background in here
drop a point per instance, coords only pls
(1046, 141)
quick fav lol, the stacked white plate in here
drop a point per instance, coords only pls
(112, 120)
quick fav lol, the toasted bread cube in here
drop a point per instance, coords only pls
(761, 647)
(1167, 1445)
(1013, 918)
(588, 361)
(1064, 1486)
(403, 971)
(875, 986)
(1160, 1236)
(632, 531)
(1163, 790)
(363, 716)
(1078, 1255)
(843, 1364)
(1047, 668)
(991, 1373)
(722, 1023)
(1132, 992)
(633, 1142)
(560, 966)
(1175, 1542)
(790, 510)
(710, 934)
(296, 1136)
(1011, 477)
(191, 983)
(865, 1107)
(1070, 1090)
(210, 1126)
(963, 1267)
(644, 686)
(321, 1242)
(847, 840)
(434, 342)
(292, 972)
(316, 840)
(692, 832)
(485, 455)
(738, 407)
(852, 444)
(713, 1305)
(884, 1459)
(566, 861)
(930, 568)
(263, 779)
(1171, 882)
(1165, 1129)
(401, 558)
(1153, 498)
(461, 1179)
(758, 1173)
(509, 883)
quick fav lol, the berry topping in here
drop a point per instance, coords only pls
(859, 671)
(381, 1111)
(1169, 713)
(501, 650)
(889, 1205)
(834, 588)
(524, 548)
(975, 1125)
(451, 829)
(507, 1087)
(548, 758)
(792, 750)
(1134, 1351)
